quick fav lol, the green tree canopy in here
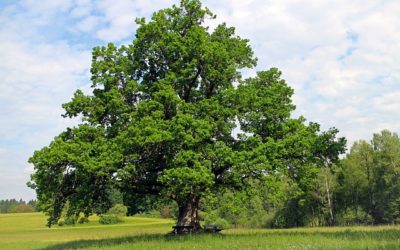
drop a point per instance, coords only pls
(370, 178)
(160, 122)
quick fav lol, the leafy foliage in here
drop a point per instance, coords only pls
(160, 123)
(110, 219)
(118, 209)
(370, 179)
(114, 215)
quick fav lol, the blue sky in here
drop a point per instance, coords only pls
(341, 57)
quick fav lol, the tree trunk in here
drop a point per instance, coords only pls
(331, 218)
(188, 218)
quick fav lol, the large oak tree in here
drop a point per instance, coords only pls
(170, 116)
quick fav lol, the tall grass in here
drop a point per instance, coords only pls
(27, 231)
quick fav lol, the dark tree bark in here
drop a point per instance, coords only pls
(188, 218)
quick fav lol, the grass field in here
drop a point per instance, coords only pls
(28, 231)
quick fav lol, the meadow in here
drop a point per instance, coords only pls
(28, 231)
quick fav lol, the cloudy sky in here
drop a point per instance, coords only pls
(341, 57)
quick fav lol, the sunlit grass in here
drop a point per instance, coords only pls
(28, 231)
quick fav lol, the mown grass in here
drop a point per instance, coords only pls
(28, 231)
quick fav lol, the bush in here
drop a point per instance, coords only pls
(154, 213)
(61, 223)
(113, 216)
(70, 220)
(354, 217)
(118, 209)
(83, 220)
(107, 219)
(166, 211)
(212, 218)
(222, 223)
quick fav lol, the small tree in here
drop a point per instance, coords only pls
(161, 117)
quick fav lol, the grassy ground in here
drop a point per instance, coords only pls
(28, 231)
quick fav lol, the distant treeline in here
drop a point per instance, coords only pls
(17, 206)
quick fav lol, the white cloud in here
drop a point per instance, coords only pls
(36, 80)
(388, 102)
(119, 17)
(12, 180)
(3, 151)
(14, 187)
(37, 77)
(338, 55)
(88, 24)
(47, 6)
(81, 8)
(29, 169)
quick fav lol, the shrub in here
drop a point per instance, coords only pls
(70, 220)
(83, 220)
(222, 223)
(113, 216)
(118, 209)
(154, 213)
(166, 211)
(212, 218)
(107, 219)
(67, 220)
(354, 217)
